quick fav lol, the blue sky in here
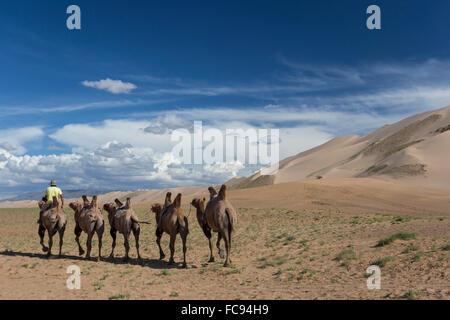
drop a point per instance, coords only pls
(75, 104)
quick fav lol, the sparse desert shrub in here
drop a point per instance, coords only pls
(382, 261)
(411, 294)
(417, 256)
(400, 235)
(399, 219)
(120, 296)
(345, 256)
(411, 248)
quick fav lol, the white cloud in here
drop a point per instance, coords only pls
(167, 123)
(13, 140)
(120, 154)
(113, 86)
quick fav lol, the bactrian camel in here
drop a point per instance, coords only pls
(122, 218)
(88, 218)
(220, 217)
(53, 220)
(173, 221)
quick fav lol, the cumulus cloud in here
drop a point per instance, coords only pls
(113, 86)
(122, 154)
(13, 140)
(167, 123)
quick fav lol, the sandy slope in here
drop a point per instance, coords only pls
(353, 195)
(413, 151)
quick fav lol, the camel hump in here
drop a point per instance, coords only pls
(212, 191)
(168, 199)
(55, 202)
(94, 202)
(222, 193)
(118, 202)
(128, 203)
(85, 200)
(177, 201)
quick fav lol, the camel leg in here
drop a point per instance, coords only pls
(172, 248)
(50, 244)
(136, 231)
(61, 231)
(89, 244)
(113, 233)
(127, 246)
(41, 232)
(78, 232)
(227, 240)
(100, 229)
(208, 234)
(158, 241)
(184, 239)
(219, 237)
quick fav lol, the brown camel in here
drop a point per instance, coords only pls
(221, 217)
(53, 220)
(173, 221)
(123, 219)
(199, 204)
(88, 218)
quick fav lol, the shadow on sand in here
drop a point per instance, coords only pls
(151, 263)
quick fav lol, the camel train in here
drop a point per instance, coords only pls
(215, 215)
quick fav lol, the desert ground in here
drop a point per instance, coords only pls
(297, 240)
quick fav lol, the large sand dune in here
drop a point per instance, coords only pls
(413, 151)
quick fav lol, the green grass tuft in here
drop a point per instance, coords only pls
(383, 261)
(400, 235)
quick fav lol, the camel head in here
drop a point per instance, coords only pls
(42, 203)
(198, 203)
(111, 208)
(222, 193)
(75, 206)
(168, 200)
(156, 208)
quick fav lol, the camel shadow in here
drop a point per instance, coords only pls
(145, 262)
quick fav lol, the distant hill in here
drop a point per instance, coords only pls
(67, 194)
(412, 151)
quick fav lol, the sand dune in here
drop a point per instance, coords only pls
(413, 151)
